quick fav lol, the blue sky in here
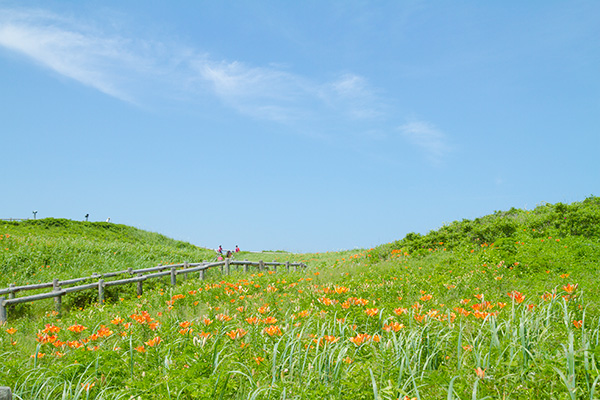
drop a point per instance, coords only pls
(301, 126)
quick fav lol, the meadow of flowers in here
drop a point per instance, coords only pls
(475, 321)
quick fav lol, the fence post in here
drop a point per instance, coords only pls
(101, 291)
(2, 311)
(202, 274)
(185, 266)
(261, 265)
(163, 278)
(227, 266)
(5, 393)
(173, 276)
(275, 266)
(246, 265)
(140, 287)
(11, 295)
(57, 299)
(287, 265)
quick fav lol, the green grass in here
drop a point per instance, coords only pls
(504, 307)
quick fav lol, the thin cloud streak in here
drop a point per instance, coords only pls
(85, 58)
(431, 140)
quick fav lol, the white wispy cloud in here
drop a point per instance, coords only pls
(138, 70)
(70, 51)
(261, 92)
(125, 68)
(353, 94)
(432, 141)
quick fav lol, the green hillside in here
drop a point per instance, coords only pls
(503, 306)
(39, 250)
(579, 219)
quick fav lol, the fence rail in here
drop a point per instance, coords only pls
(138, 276)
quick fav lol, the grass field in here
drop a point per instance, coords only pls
(502, 307)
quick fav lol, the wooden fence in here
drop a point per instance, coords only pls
(138, 276)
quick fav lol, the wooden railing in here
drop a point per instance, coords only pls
(138, 276)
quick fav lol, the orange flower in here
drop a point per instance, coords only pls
(141, 349)
(88, 386)
(223, 317)
(11, 331)
(426, 297)
(45, 338)
(326, 339)
(480, 372)
(252, 320)
(578, 324)
(142, 318)
(393, 326)
(548, 296)
(259, 359)
(341, 289)
(154, 342)
(570, 288)
(400, 311)
(516, 296)
(205, 335)
(263, 309)
(236, 333)
(420, 318)
(116, 321)
(360, 339)
(75, 344)
(273, 330)
(270, 320)
(371, 312)
(185, 324)
(357, 301)
(51, 329)
(327, 301)
(207, 321)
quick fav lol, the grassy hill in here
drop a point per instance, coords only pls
(39, 250)
(503, 306)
